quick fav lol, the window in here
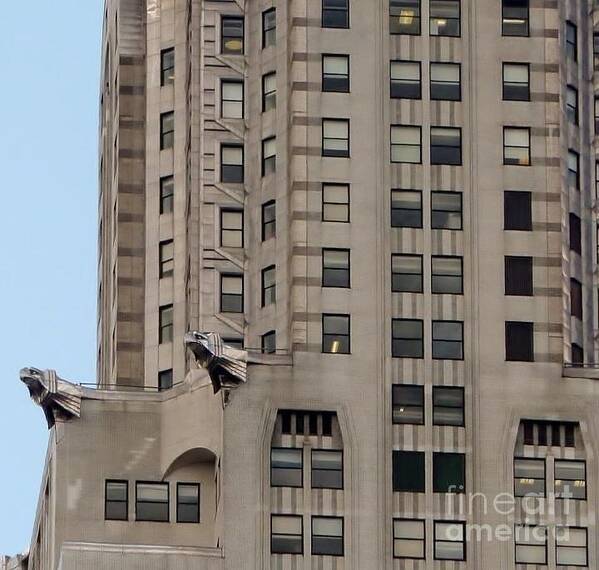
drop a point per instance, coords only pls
(446, 145)
(269, 28)
(570, 479)
(231, 99)
(167, 191)
(409, 539)
(231, 35)
(516, 146)
(116, 500)
(575, 235)
(165, 318)
(572, 104)
(167, 66)
(448, 406)
(188, 503)
(286, 467)
(446, 210)
(269, 156)
(517, 210)
(167, 261)
(576, 298)
(408, 404)
(595, 44)
(269, 220)
(407, 338)
(519, 343)
(444, 18)
(336, 334)
(406, 273)
(327, 536)
(449, 472)
(335, 268)
(231, 228)
(450, 540)
(269, 91)
(529, 477)
(167, 130)
(577, 354)
(335, 73)
(571, 546)
(151, 502)
(405, 80)
(165, 380)
(335, 137)
(269, 342)
(515, 18)
(516, 82)
(327, 469)
(231, 164)
(531, 544)
(573, 169)
(408, 471)
(406, 143)
(572, 41)
(406, 209)
(231, 293)
(446, 82)
(269, 286)
(404, 17)
(447, 274)
(448, 340)
(335, 202)
(335, 13)
(518, 275)
(596, 115)
(287, 534)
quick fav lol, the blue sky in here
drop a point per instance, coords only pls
(48, 160)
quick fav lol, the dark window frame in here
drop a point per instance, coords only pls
(223, 276)
(576, 298)
(521, 543)
(335, 9)
(267, 96)
(266, 35)
(124, 482)
(434, 84)
(422, 540)
(393, 30)
(433, 339)
(463, 542)
(165, 68)
(335, 153)
(312, 469)
(461, 210)
(446, 19)
(165, 330)
(267, 224)
(325, 269)
(231, 81)
(417, 96)
(435, 291)
(167, 194)
(421, 339)
(461, 407)
(266, 290)
(575, 233)
(392, 144)
(505, 84)
(167, 137)
(238, 167)
(222, 227)
(503, 22)
(517, 287)
(573, 174)
(328, 87)
(399, 210)
(301, 536)
(586, 546)
(300, 469)
(347, 335)
(563, 460)
(313, 535)
(414, 455)
(267, 336)
(224, 38)
(531, 347)
(505, 146)
(325, 203)
(178, 504)
(439, 455)
(571, 46)
(163, 262)
(269, 163)
(572, 113)
(396, 403)
(395, 274)
(536, 459)
(168, 501)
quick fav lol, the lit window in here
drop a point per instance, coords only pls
(167, 258)
(167, 191)
(335, 137)
(405, 80)
(406, 209)
(406, 273)
(335, 13)
(327, 536)
(404, 17)
(151, 502)
(407, 338)
(231, 293)
(446, 81)
(407, 404)
(335, 268)
(409, 539)
(116, 500)
(336, 334)
(571, 546)
(406, 144)
(167, 66)
(287, 535)
(232, 35)
(516, 82)
(231, 228)
(269, 220)
(188, 503)
(529, 477)
(531, 544)
(165, 318)
(516, 146)
(335, 73)
(446, 210)
(447, 274)
(269, 91)
(448, 406)
(327, 469)
(450, 540)
(269, 28)
(231, 164)
(445, 18)
(448, 340)
(269, 156)
(167, 130)
(269, 286)
(286, 467)
(515, 18)
(449, 472)
(231, 104)
(570, 479)
(408, 471)
(446, 145)
(335, 202)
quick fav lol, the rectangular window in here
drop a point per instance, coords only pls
(446, 210)
(406, 144)
(573, 169)
(269, 286)
(167, 258)
(571, 546)
(327, 469)
(576, 298)
(231, 164)
(406, 209)
(595, 44)
(335, 202)
(286, 467)
(335, 268)
(231, 35)
(231, 228)
(407, 404)
(116, 500)
(446, 81)
(269, 91)
(335, 13)
(572, 104)
(570, 479)
(515, 16)
(518, 275)
(327, 536)
(404, 17)
(577, 354)
(519, 341)
(448, 340)
(406, 273)
(516, 146)
(287, 535)
(336, 334)
(596, 115)
(269, 156)
(575, 234)
(529, 477)
(167, 191)
(447, 274)
(188, 503)
(231, 99)
(335, 137)
(408, 471)
(165, 328)
(269, 342)
(409, 539)
(449, 472)
(269, 28)
(269, 220)
(151, 502)
(165, 380)
(448, 406)
(405, 80)
(449, 540)
(445, 18)
(517, 210)
(407, 338)
(572, 41)
(167, 66)
(167, 130)
(335, 73)
(516, 82)
(231, 293)
(531, 544)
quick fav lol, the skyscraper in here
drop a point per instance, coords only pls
(385, 209)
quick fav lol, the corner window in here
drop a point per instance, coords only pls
(409, 539)
(269, 28)
(450, 540)
(335, 137)
(575, 234)
(327, 469)
(446, 210)
(572, 41)
(531, 544)
(286, 467)
(165, 380)
(445, 18)
(231, 164)
(519, 342)
(404, 17)
(571, 546)
(407, 338)
(406, 144)
(231, 228)
(448, 406)
(231, 35)
(167, 130)
(188, 503)
(167, 258)
(327, 536)
(573, 169)
(335, 202)
(447, 274)
(517, 211)
(286, 536)
(336, 334)
(116, 500)
(408, 404)
(231, 293)
(570, 479)
(516, 146)
(572, 104)
(335, 73)
(165, 318)
(408, 471)
(449, 473)
(516, 82)
(406, 209)
(448, 340)
(335, 13)
(406, 273)
(269, 220)
(231, 99)
(167, 191)
(446, 145)
(167, 66)
(515, 16)
(269, 342)
(529, 477)
(269, 91)
(151, 502)
(269, 156)
(446, 81)
(335, 268)
(269, 286)
(518, 275)
(405, 80)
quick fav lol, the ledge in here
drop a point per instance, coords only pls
(580, 372)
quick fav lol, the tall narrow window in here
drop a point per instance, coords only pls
(576, 298)
(409, 539)
(404, 17)
(573, 169)
(335, 73)
(151, 502)
(231, 100)
(327, 536)
(516, 146)
(165, 325)
(231, 228)
(269, 342)
(577, 354)
(335, 268)
(167, 258)
(335, 13)
(406, 209)
(269, 286)
(516, 82)
(446, 81)
(287, 536)
(449, 472)
(531, 544)
(269, 220)
(231, 35)
(231, 164)
(188, 503)
(165, 380)
(595, 44)
(167, 66)
(407, 338)
(571, 547)
(405, 80)
(406, 144)
(448, 340)
(116, 500)
(596, 109)
(336, 334)
(575, 234)
(446, 210)
(406, 273)
(515, 16)
(286, 467)
(572, 41)
(269, 156)
(269, 91)
(572, 104)
(269, 28)
(327, 469)
(231, 293)
(445, 18)
(447, 274)
(448, 406)
(335, 137)
(518, 275)
(335, 202)
(517, 210)
(167, 130)
(450, 540)
(519, 341)
(408, 471)
(408, 404)
(167, 191)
